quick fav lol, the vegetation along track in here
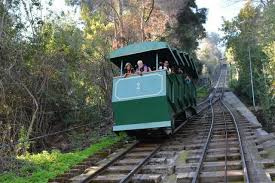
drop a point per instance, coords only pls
(205, 148)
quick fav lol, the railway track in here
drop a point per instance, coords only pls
(216, 154)
(123, 168)
(221, 158)
(149, 160)
(205, 148)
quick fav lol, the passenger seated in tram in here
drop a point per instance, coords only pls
(129, 70)
(173, 70)
(160, 65)
(142, 68)
(165, 66)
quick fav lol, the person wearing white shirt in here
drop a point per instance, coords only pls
(165, 66)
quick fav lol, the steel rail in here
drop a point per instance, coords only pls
(226, 145)
(226, 148)
(210, 99)
(226, 135)
(128, 178)
(138, 167)
(198, 112)
(240, 144)
(195, 178)
(211, 96)
(104, 167)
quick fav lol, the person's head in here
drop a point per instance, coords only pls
(180, 71)
(140, 64)
(173, 69)
(128, 66)
(166, 63)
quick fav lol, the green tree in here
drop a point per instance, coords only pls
(251, 34)
(189, 29)
(50, 75)
(209, 53)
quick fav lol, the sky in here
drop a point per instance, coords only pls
(57, 7)
(216, 10)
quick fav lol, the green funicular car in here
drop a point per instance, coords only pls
(154, 99)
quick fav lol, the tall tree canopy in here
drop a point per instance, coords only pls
(55, 71)
(209, 53)
(189, 29)
(250, 36)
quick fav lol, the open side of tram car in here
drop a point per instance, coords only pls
(152, 100)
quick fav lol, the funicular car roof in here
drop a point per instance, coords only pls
(138, 48)
(147, 50)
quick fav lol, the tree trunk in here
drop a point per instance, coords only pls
(122, 33)
(142, 21)
(34, 112)
(119, 40)
(2, 19)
